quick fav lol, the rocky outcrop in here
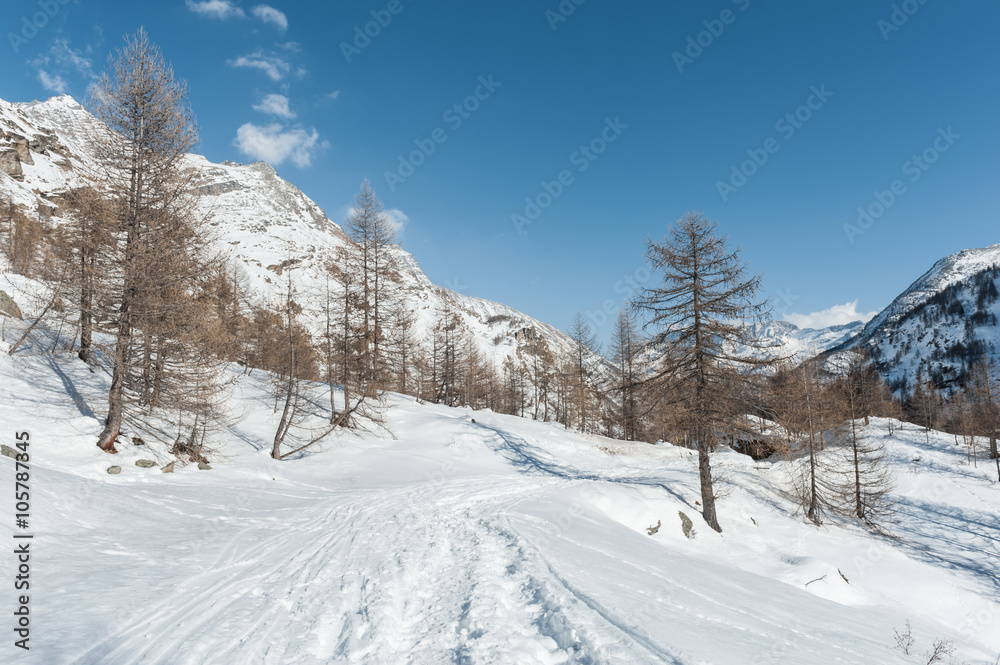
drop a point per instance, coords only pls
(45, 144)
(10, 164)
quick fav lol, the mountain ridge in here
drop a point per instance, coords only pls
(262, 222)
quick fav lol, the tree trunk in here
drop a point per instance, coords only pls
(812, 512)
(279, 435)
(859, 506)
(707, 491)
(116, 396)
(86, 314)
(285, 421)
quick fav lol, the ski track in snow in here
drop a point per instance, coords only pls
(476, 539)
(472, 592)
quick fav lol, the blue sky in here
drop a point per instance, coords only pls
(581, 129)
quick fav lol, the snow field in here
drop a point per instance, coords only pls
(496, 541)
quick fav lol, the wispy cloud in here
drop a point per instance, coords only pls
(276, 68)
(835, 316)
(66, 56)
(333, 95)
(276, 143)
(220, 9)
(269, 14)
(397, 220)
(275, 105)
(61, 59)
(52, 82)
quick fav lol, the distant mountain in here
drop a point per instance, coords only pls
(799, 344)
(944, 321)
(263, 223)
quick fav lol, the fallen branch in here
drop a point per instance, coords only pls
(341, 417)
(55, 297)
(816, 580)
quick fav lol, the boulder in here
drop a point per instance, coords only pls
(24, 153)
(7, 451)
(145, 463)
(168, 468)
(114, 470)
(204, 466)
(11, 164)
(9, 307)
(687, 526)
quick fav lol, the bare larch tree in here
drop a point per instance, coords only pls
(149, 130)
(698, 316)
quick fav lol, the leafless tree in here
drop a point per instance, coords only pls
(371, 229)
(583, 373)
(89, 230)
(626, 347)
(698, 316)
(866, 490)
(149, 130)
(984, 393)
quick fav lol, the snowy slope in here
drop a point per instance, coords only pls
(944, 320)
(944, 273)
(470, 537)
(264, 223)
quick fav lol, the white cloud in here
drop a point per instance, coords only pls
(397, 220)
(275, 67)
(269, 14)
(835, 316)
(60, 59)
(221, 9)
(333, 95)
(275, 143)
(66, 56)
(52, 82)
(275, 105)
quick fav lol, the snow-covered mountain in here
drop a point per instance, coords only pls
(942, 322)
(787, 340)
(264, 223)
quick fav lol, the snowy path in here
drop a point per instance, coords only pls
(421, 574)
(497, 542)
